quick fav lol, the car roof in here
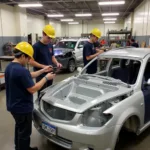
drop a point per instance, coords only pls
(128, 52)
(70, 40)
(75, 40)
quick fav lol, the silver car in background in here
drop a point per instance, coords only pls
(87, 112)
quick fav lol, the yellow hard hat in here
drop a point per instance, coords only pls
(26, 48)
(49, 31)
(96, 32)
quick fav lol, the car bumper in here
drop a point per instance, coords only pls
(75, 137)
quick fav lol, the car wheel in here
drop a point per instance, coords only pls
(71, 66)
(125, 138)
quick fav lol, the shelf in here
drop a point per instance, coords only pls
(119, 32)
(119, 40)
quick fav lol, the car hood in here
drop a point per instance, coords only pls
(80, 93)
(61, 51)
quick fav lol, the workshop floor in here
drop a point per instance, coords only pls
(130, 142)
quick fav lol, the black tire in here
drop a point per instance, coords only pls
(71, 66)
(124, 139)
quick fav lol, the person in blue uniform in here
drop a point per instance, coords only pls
(134, 44)
(19, 93)
(90, 52)
(44, 55)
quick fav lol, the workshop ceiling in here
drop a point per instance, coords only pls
(70, 7)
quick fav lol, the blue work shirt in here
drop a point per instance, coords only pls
(18, 79)
(43, 54)
(88, 50)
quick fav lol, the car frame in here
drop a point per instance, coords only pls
(119, 106)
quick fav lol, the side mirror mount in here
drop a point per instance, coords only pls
(148, 82)
(79, 69)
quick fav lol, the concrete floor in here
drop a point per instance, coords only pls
(128, 142)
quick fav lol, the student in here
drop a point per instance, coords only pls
(89, 51)
(19, 93)
(134, 44)
(44, 55)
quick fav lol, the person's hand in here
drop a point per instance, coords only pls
(97, 49)
(59, 65)
(101, 51)
(50, 76)
(47, 69)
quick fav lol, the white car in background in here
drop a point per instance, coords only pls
(75, 44)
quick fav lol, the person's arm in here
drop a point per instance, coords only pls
(92, 56)
(27, 82)
(100, 50)
(87, 52)
(54, 60)
(38, 73)
(36, 64)
(40, 84)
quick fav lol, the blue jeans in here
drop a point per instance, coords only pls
(23, 130)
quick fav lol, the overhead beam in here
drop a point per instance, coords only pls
(88, 6)
(128, 8)
(64, 7)
(56, 1)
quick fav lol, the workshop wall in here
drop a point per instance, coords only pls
(58, 27)
(35, 24)
(86, 27)
(128, 23)
(7, 26)
(10, 28)
(141, 22)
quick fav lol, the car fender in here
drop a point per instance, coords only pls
(119, 124)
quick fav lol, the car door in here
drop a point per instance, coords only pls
(79, 51)
(146, 92)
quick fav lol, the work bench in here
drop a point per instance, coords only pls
(2, 80)
(4, 59)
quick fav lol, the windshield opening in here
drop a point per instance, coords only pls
(66, 44)
(126, 70)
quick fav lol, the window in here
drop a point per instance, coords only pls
(147, 71)
(127, 70)
(81, 44)
(66, 44)
(115, 62)
(102, 64)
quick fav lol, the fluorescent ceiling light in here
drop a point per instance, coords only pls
(112, 3)
(110, 19)
(55, 15)
(110, 14)
(110, 22)
(66, 20)
(73, 23)
(83, 15)
(30, 5)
